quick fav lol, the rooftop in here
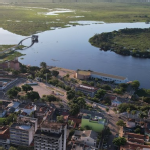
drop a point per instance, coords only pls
(52, 125)
(20, 126)
(82, 72)
(49, 134)
(109, 75)
(86, 133)
(87, 87)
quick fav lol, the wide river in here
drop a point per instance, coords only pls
(69, 48)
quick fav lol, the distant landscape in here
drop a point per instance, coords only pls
(21, 19)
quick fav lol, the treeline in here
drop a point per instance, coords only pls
(67, 1)
(106, 41)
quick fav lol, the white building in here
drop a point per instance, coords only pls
(22, 133)
(109, 77)
(51, 136)
(114, 101)
(86, 137)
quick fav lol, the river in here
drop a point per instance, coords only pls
(69, 48)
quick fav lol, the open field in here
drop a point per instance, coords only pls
(23, 19)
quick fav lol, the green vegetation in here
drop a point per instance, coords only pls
(121, 123)
(19, 18)
(119, 141)
(133, 42)
(97, 127)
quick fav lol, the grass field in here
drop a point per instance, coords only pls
(94, 125)
(23, 19)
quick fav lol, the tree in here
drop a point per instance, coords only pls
(43, 64)
(13, 92)
(135, 84)
(33, 95)
(137, 130)
(55, 73)
(74, 109)
(146, 99)
(15, 72)
(141, 116)
(128, 111)
(121, 123)
(1, 148)
(119, 141)
(27, 87)
(107, 109)
(81, 102)
(100, 93)
(133, 113)
(60, 119)
(106, 87)
(12, 148)
(70, 94)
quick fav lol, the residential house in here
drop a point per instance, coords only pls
(86, 137)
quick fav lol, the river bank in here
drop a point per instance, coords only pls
(134, 42)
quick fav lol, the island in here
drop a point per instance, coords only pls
(134, 42)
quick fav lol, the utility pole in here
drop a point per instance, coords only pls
(46, 78)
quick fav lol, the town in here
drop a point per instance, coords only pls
(52, 108)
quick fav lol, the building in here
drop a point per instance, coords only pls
(114, 101)
(13, 64)
(95, 123)
(22, 132)
(51, 136)
(86, 137)
(4, 137)
(102, 76)
(86, 89)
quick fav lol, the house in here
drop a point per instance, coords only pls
(86, 137)
(86, 89)
(114, 101)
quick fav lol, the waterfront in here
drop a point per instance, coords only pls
(69, 48)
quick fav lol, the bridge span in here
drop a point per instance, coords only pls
(34, 39)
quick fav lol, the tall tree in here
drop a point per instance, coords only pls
(43, 64)
(27, 87)
(119, 141)
(135, 84)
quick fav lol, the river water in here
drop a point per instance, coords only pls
(69, 48)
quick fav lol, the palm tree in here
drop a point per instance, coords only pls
(128, 111)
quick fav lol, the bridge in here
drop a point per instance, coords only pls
(34, 39)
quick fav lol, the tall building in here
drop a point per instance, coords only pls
(51, 136)
(22, 132)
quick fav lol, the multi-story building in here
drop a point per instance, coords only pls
(51, 136)
(22, 132)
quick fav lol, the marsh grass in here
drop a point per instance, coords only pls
(32, 19)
